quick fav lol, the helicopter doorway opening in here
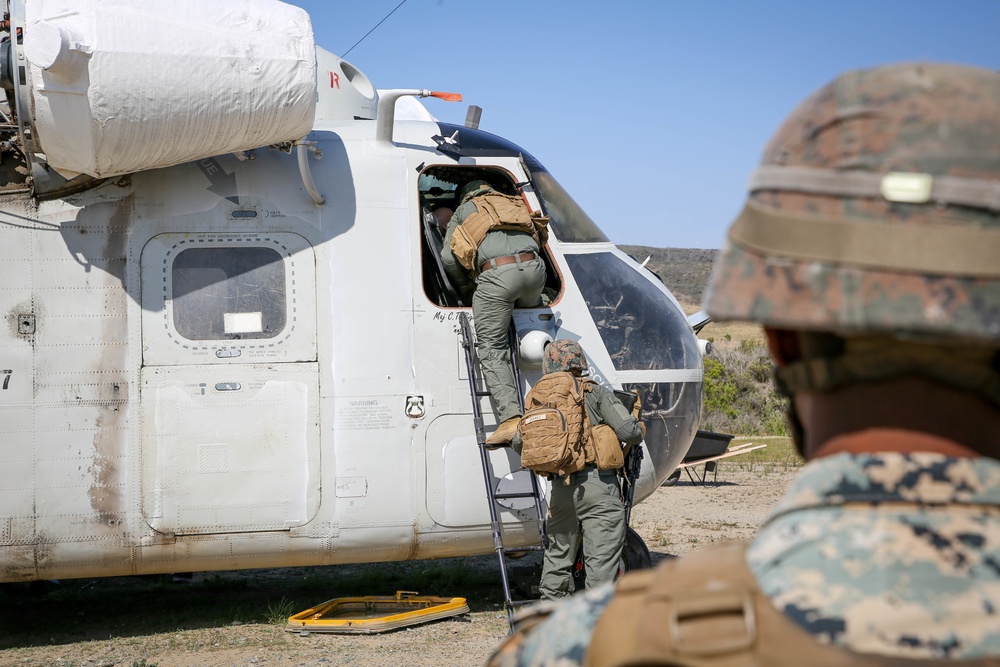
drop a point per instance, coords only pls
(439, 197)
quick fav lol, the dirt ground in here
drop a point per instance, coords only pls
(673, 521)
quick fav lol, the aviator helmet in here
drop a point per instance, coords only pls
(472, 187)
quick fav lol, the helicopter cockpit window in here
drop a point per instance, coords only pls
(569, 222)
(639, 324)
(439, 189)
(226, 293)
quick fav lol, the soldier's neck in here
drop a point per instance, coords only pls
(904, 414)
(881, 440)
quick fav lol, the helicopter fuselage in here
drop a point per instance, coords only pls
(203, 369)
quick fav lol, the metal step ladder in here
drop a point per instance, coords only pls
(478, 391)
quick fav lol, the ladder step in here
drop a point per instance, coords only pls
(518, 550)
(472, 362)
(517, 494)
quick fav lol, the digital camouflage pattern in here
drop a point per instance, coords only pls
(563, 355)
(940, 120)
(890, 554)
(884, 554)
(553, 634)
(817, 296)
(895, 554)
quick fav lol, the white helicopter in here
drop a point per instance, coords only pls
(227, 342)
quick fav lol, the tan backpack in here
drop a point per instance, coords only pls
(555, 430)
(495, 211)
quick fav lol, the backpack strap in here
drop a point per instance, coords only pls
(586, 386)
(706, 610)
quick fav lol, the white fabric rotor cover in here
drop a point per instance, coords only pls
(120, 86)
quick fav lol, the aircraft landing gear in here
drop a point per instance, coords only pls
(675, 476)
(635, 556)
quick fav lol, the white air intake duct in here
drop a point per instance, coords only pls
(109, 87)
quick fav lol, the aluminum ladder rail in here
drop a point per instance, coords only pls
(478, 391)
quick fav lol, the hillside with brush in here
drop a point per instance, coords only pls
(684, 271)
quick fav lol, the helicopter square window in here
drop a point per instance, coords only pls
(225, 293)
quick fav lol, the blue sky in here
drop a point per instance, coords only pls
(652, 114)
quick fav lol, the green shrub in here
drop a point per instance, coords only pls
(721, 392)
(740, 397)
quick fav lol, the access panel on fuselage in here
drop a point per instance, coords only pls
(230, 383)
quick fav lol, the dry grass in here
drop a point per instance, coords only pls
(731, 334)
(717, 331)
(780, 451)
(226, 618)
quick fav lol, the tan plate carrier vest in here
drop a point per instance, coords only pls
(706, 610)
(494, 212)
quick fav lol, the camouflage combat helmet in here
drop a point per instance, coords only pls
(471, 187)
(564, 355)
(875, 210)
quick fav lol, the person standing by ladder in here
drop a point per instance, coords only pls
(492, 251)
(586, 507)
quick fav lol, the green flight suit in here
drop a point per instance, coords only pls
(588, 510)
(497, 292)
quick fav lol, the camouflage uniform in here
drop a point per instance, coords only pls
(497, 292)
(554, 634)
(864, 263)
(585, 507)
(895, 554)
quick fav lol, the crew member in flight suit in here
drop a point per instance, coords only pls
(586, 508)
(512, 273)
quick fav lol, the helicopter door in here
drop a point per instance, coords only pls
(440, 187)
(230, 383)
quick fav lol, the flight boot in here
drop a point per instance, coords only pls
(504, 433)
